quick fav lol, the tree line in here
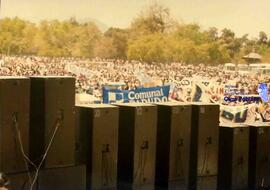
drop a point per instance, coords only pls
(153, 36)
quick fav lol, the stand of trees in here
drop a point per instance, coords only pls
(153, 36)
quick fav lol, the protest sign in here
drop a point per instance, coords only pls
(147, 95)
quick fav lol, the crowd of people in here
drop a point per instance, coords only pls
(92, 75)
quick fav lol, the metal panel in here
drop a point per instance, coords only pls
(137, 146)
(52, 105)
(98, 141)
(14, 123)
(173, 145)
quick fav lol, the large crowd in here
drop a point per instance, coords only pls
(92, 75)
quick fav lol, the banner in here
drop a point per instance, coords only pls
(146, 80)
(181, 90)
(84, 98)
(203, 90)
(72, 68)
(146, 95)
(235, 114)
(245, 114)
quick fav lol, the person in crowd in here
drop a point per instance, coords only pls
(92, 75)
(4, 182)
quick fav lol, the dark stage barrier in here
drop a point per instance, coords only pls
(137, 146)
(97, 144)
(52, 121)
(173, 146)
(233, 157)
(134, 146)
(204, 146)
(259, 156)
(14, 123)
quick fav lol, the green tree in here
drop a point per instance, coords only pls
(232, 44)
(262, 38)
(148, 48)
(119, 38)
(67, 38)
(227, 35)
(218, 54)
(212, 34)
(154, 19)
(105, 48)
(16, 36)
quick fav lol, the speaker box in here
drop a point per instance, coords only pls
(233, 157)
(52, 120)
(67, 178)
(97, 144)
(259, 156)
(173, 145)
(14, 123)
(21, 181)
(137, 146)
(204, 146)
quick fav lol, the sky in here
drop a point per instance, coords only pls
(242, 16)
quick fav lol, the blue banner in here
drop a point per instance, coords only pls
(146, 95)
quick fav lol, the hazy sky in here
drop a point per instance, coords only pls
(242, 16)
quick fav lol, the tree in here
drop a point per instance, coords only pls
(152, 37)
(262, 38)
(192, 32)
(119, 39)
(89, 37)
(227, 35)
(67, 38)
(218, 53)
(155, 19)
(232, 44)
(16, 36)
(105, 48)
(53, 38)
(148, 48)
(212, 34)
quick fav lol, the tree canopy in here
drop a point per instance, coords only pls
(153, 36)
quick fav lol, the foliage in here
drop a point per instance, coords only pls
(153, 36)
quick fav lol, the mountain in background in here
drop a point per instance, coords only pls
(103, 27)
